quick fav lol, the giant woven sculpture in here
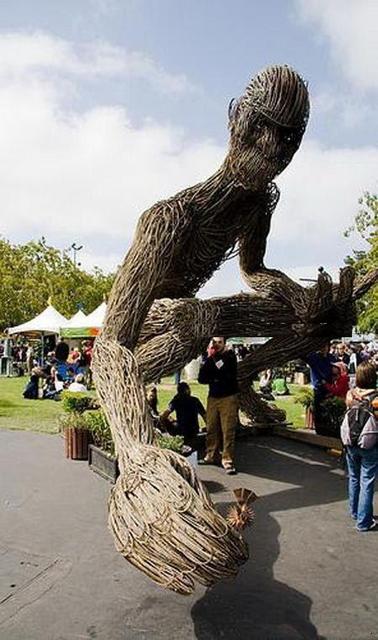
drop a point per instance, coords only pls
(161, 515)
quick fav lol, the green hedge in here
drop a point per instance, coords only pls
(75, 402)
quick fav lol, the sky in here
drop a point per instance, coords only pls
(107, 106)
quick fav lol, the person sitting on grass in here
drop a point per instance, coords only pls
(265, 384)
(187, 409)
(31, 390)
(279, 385)
(78, 384)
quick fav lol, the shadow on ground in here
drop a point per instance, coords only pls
(256, 606)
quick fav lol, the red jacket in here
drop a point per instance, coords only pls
(340, 387)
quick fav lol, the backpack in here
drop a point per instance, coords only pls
(359, 422)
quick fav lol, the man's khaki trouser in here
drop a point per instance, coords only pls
(221, 420)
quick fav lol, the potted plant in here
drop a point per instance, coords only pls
(305, 397)
(72, 423)
(101, 454)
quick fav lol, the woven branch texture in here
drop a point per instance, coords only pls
(161, 515)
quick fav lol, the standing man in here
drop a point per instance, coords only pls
(219, 372)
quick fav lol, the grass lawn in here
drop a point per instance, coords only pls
(42, 415)
(29, 415)
(295, 413)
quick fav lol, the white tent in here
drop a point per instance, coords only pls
(86, 326)
(77, 320)
(97, 317)
(47, 322)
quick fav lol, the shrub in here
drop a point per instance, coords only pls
(332, 411)
(305, 397)
(98, 425)
(73, 402)
(174, 443)
(67, 420)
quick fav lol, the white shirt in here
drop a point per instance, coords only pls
(77, 386)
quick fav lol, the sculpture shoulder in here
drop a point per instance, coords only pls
(174, 212)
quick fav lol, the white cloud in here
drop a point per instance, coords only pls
(88, 258)
(319, 198)
(81, 175)
(351, 26)
(345, 109)
(86, 177)
(24, 53)
(227, 281)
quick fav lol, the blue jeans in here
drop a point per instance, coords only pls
(362, 468)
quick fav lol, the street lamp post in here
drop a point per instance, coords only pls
(75, 250)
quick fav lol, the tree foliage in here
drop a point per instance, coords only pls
(32, 273)
(366, 227)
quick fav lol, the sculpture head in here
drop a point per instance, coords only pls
(267, 124)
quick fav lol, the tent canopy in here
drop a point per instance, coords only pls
(88, 327)
(49, 321)
(77, 320)
(97, 317)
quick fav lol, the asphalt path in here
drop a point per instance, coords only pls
(310, 574)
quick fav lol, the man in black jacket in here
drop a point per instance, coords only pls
(219, 372)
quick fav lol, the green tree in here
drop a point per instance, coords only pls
(32, 273)
(366, 227)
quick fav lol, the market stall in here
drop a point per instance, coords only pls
(46, 323)
(84, 326)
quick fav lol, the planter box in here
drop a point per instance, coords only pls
(328, 430)
(310, 437)
(103, 463)
(76, 442)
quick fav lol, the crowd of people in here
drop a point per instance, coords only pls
(349, 372)
(333, 368)
(62, 368)
(339, 370)
(333, 374)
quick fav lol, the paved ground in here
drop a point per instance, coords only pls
(310, 574)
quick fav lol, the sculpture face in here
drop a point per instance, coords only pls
(267, 124)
